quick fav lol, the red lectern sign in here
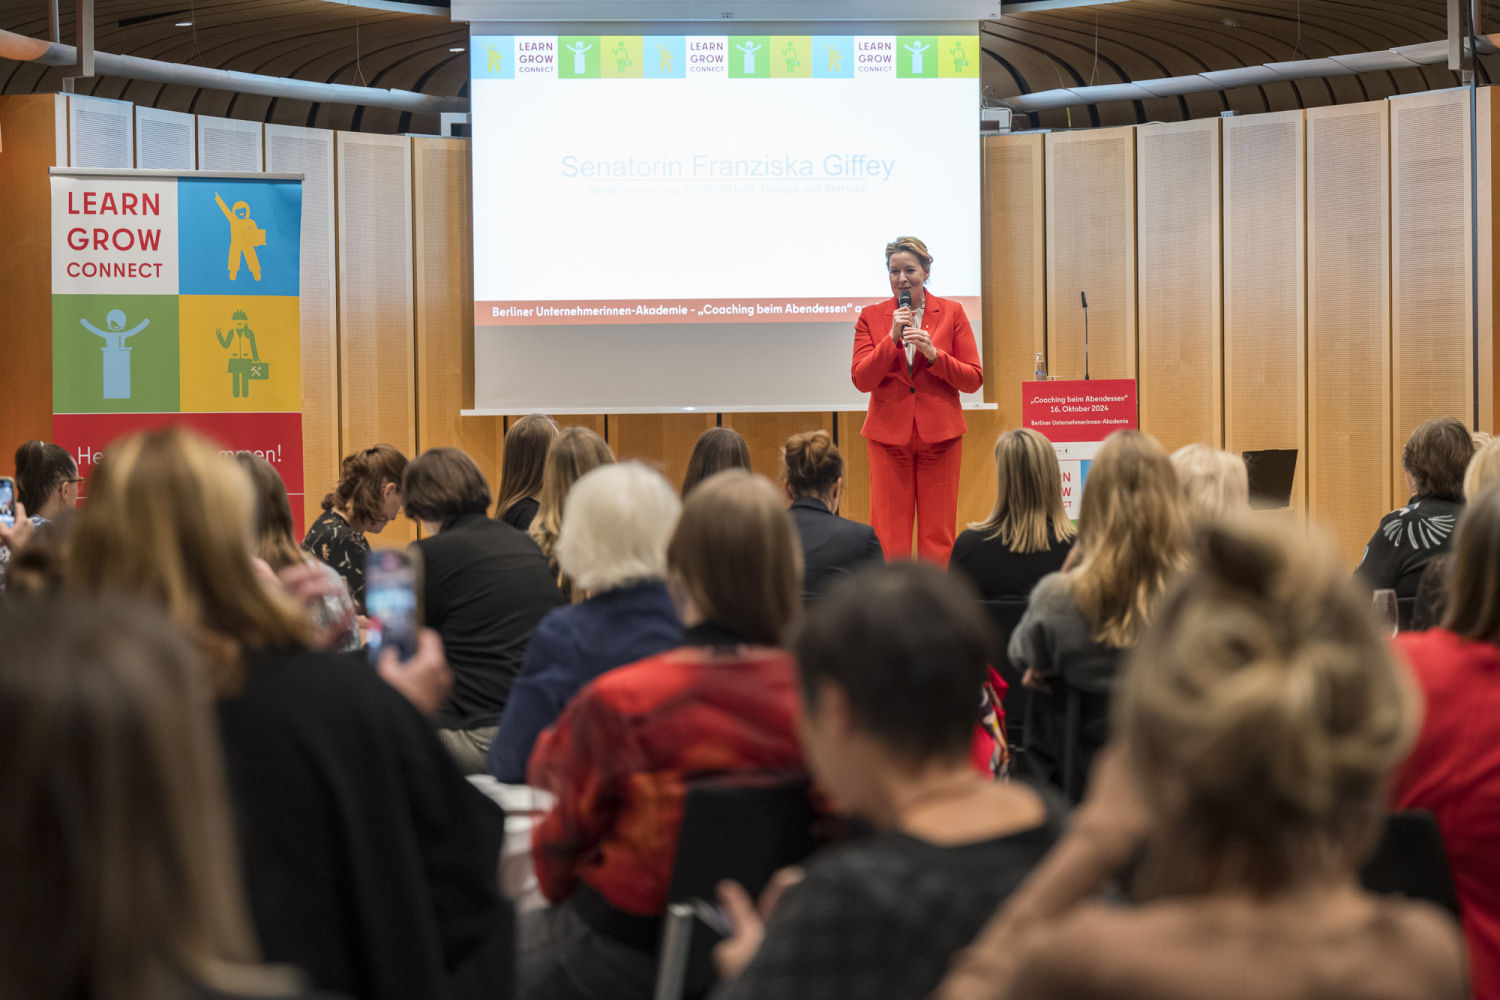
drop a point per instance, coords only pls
(1076, 416)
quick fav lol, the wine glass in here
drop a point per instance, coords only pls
(1384, 608)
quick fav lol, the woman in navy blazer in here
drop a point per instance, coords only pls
(832, 547)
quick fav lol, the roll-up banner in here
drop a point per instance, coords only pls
(1076, 415)
(175, 301)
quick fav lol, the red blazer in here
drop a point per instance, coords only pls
(926, 399)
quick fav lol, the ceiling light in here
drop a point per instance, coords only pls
(459, 49)
(184, 24)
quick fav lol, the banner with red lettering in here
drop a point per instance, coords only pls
(175, 299)
(1076, 415)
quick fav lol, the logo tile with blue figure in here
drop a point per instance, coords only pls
(492, 57)
(238, 237)
(664, 57)
(833, 57)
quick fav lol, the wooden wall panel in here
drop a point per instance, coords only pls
(376, 331)
(766, 434)
(1090, 227)
(1013, 257)
(1265, 288)
(856, 502)
(1432, 348)
(663, 441)
(977, 483)
(1348, 321)
(310, 151)
(1180, 333)
(442, 227)
(29, 127)
(1488, 124)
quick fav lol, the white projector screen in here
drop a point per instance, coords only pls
(668, 222)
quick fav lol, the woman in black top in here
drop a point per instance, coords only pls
(1028, 534)
(889, 663)
(367, 498)
(526, 445)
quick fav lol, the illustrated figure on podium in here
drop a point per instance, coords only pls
(835, 59)
(580, 65)
(916, 49)
(116, 354)
(495, 57)
(666, 58)
(749, 48)
(244, 237)
(792, 62)
(243, 368)
(960, 58)
(622, 57)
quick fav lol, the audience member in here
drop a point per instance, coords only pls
(574, 452)
(1455, 768)
(46, 485)
(1435, 459)
(1028, 533)
(617, 521)
(1257, 725)
(526, 445)
(40, 563)
(1134, 538)
(889, 662)
(718, 448)
(485, 587)
(117, 863)
(366, 499)
(368, 861)
(832, 547)
(325, 596)
(619, 756)
(1437, 579)
(1215, 482)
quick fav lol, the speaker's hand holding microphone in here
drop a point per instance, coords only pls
(902, 319)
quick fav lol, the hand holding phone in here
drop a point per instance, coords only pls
(393, 602)
(7, 502)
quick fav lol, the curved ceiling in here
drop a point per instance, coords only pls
(1025, 52)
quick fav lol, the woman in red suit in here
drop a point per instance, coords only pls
(914, 361)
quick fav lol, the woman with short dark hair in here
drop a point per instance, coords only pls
(718, 448)
(485, 586)
(366, 499)
(832, 547)
(526, 444)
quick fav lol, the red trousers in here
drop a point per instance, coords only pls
(917, 481)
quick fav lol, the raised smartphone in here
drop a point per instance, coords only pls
(393, 602)
(7, 501)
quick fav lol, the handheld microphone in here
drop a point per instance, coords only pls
(905, 301)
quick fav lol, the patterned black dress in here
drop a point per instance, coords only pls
(336, 543)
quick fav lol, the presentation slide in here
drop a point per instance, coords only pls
(673, 220)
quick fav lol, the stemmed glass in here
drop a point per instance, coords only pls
(1384, 608)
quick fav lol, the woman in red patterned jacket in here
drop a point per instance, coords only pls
(617, 758)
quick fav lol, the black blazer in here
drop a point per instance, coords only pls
(832, 547)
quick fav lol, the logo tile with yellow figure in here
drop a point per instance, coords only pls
(238, 237)
(791, 56)
(239, 353)
(621, 57)
(958, 56)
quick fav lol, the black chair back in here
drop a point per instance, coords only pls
(1006, 615)
(1404, 608)
(1411, 861)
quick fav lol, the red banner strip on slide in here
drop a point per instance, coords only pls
(597, 312)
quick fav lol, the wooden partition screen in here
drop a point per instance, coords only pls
(1180, 327)
(376, 334)
(310, 152)
(1348, 321)
(1265, 288)
(1013, 258)
(1090, 226)
(1432, 333)
(663, 441)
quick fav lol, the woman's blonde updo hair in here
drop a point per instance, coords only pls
(1263, 712)
(1215, 482)
(813, 464)
(911, 245)
(1484, 468)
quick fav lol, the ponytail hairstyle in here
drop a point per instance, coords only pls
(1262, 712)
(40, 467)
(362, 478)
(526, 445)
(812, 463)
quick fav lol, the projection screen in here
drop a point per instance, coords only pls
(678, 220)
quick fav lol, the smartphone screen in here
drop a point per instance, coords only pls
(391, 603)
(7, 501)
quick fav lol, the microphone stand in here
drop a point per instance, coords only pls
(1084, 296)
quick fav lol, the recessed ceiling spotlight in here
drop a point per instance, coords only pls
(1231, 23)
(459, 49)
(184, 24)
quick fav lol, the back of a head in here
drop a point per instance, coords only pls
(1028, 498)
(362, 478)
(575, 452)
(1134, 532)
(718, 448)
(1484, 468)
(1263, 711)
(736, 554)
(443, 483)
(1436, 456)
(813, 463)
(117, 862)
(275, 531)
(617, 522)
(908, 644)
(1215, 482)
(40, 467)
(168, 520)
(526, 444)
(1474, 593)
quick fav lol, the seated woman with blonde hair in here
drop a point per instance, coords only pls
(1433, 590)
(572, 454)
(1256, 729)
(1215, 482)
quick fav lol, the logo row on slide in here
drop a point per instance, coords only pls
(751, 57)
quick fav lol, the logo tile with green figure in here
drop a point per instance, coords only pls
(958, 56)
(622, 57)
(791, 57)
(750, 57)
(917, 56)
(114, 354)
(578, 57)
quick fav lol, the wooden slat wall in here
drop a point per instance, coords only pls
(376, 331)
(1348, 321)
(766, 434)
(1265, 288)
(663, 441)
(1432, 331)
(1488, 148)
(442, 230)
(1180, 326)
(1014, 288)
(1090, 240)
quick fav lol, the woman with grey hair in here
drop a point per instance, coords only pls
(616, 523)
